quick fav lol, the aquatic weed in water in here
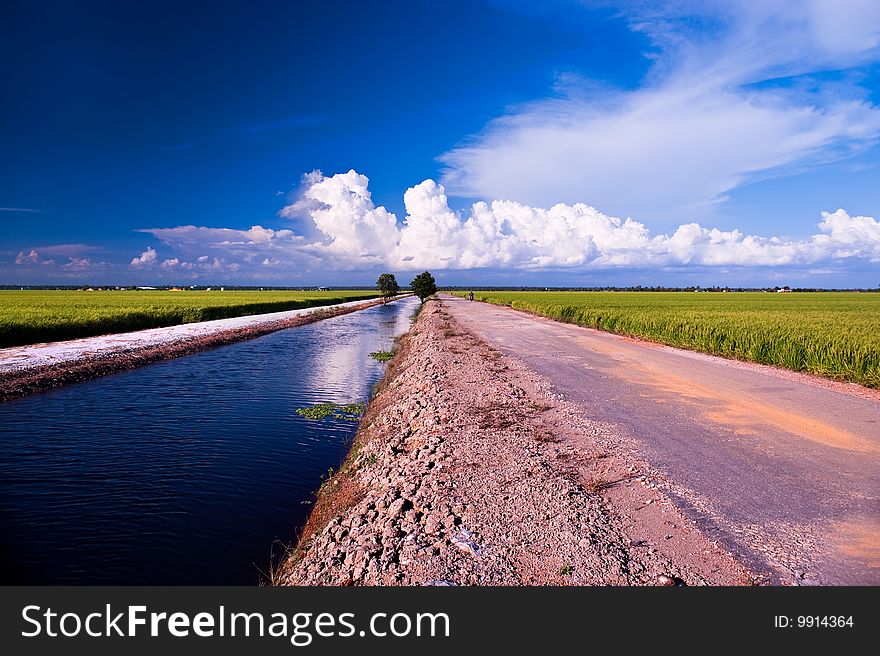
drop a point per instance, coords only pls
(348, 412)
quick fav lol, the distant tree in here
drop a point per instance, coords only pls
(387, 285)
(424, 285)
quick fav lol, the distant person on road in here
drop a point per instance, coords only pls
(471, 296)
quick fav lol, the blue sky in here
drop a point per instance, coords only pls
(577, 143)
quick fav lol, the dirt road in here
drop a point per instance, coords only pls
(468, 470)
(782, 468)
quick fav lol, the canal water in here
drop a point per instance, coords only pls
(185, 471)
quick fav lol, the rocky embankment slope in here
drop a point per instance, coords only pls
(468, 470)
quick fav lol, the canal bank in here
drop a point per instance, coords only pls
(469, 470)
(28, 369)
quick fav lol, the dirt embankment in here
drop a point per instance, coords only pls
(468, 470)
(30, 379)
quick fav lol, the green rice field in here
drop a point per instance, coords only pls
(832, 334)
(28, 317)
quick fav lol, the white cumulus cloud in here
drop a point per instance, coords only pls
(505, 234)
(342, 209)
(145, 259)
(31, 257)
(201, 265)
(354, 234)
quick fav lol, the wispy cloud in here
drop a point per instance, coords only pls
(68, 250)
(736, 92)
(83, 265)
(22, 209)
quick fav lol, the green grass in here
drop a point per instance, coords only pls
(832, 334)
(27, 317)
(382, 356)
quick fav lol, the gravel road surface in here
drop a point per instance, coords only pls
(467, 470)
(782, 468)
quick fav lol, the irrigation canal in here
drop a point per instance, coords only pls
(185, 471)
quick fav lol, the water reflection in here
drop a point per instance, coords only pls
(183, 471)
(344, 367)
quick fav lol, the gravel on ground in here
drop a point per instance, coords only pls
(469, 470)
